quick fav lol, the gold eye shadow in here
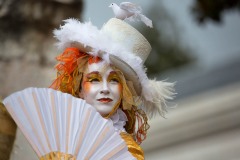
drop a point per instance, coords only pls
(93, 75)
(113, 75)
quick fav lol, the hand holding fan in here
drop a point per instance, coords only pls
(60, 126)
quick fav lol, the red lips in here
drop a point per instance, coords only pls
(105, 100)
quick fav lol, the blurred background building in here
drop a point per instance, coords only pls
(195, 43)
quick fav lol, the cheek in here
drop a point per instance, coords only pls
(86, 88)
(119, 90)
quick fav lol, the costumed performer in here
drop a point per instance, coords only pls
(105, 68)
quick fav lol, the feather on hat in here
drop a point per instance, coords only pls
(119, 44)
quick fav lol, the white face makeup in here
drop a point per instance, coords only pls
(101, 87)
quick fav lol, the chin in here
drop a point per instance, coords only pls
(104, 110)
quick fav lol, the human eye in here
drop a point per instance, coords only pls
(114, 80)
(94, 80)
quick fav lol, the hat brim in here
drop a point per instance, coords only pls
(128, 72)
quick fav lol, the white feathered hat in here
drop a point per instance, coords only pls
(119, 44)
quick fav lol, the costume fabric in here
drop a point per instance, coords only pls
(119, 120)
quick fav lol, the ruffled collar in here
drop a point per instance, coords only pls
(119, 119)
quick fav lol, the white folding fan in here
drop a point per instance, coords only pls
(53, 121)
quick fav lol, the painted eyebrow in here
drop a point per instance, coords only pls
(94, 72)
(112, 72)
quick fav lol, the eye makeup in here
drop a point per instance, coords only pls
(113, 77)
(93, 77)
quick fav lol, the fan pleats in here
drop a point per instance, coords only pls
(55, 121)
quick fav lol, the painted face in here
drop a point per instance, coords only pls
(101, 87)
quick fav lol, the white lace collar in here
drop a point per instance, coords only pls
(119, 119)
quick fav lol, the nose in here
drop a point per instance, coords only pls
(105, 89)
(104, 92)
